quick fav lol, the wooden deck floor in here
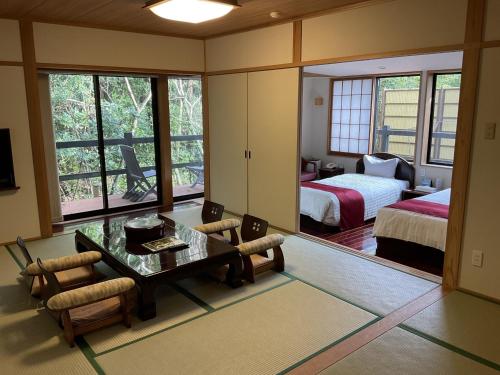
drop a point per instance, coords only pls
(116, 200)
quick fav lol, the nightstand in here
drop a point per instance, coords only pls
(330, 172)
(411, 193)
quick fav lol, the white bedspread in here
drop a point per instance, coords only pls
(414, 227)
(377, 192)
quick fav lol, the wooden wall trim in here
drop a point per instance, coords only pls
(333, 60)
(104, 27)
(114, 69)
(463, 143)
(11, 63)
(35, 125)
(206, 136)
(165, 144)
(297, 42)
(491, 44)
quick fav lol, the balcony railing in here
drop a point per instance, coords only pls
(128, 140)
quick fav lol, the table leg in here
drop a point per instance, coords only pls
(146, 301)
(233, 276)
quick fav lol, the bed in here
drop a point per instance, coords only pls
(414, 231)
(324, 207)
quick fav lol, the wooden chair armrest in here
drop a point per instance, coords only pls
(261, 244)
(90, 294)
(218, 226)
(64, 263)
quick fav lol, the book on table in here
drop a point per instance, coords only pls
(166, 243)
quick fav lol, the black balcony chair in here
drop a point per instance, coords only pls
(140, 185)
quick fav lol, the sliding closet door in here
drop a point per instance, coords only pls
(227, 99)
(273, 98)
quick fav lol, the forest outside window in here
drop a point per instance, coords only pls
(443, 119)
(396, 115)
(351, 108)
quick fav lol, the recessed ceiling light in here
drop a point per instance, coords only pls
(381, 67)
(192, 11)
(275, 14)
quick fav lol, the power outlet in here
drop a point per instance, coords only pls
(477, 258)
(490, 130)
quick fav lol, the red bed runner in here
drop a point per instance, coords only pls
(352, 204)
(423, 207)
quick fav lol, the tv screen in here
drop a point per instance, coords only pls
(7, 179)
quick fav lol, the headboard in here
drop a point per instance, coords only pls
(404, 170)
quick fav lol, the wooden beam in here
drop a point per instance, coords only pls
(297, 42)
(165, 144)
(206, 136)
(35, 124)
(463, 143)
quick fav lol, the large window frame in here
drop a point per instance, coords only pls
(430, 120)
(106, 209)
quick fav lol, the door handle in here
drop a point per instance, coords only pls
(246, 154)
(249, 154)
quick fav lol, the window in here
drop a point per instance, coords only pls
(106, 142)
(396, 115)
(350, 116)
(444, 113)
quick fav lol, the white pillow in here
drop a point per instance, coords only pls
(379, 167)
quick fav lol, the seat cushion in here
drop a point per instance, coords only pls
(87, 314)
(79, 275)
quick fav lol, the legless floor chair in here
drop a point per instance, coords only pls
(211, 216)
(88, 308)
(141, 187)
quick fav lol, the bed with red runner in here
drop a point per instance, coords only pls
(413, 232)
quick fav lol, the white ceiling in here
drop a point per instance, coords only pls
(416, 63)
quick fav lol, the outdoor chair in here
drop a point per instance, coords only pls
(199, 172)
(140, 187)
(254, 246)
(88, 308)
(70, 271)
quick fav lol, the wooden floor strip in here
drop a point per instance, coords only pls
(361, 338)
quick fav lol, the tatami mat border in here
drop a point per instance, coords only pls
(451, 347)
(374, 320)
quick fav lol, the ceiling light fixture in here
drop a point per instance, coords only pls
(192, 11)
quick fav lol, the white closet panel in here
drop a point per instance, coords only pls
(273, 98)
(227, 98)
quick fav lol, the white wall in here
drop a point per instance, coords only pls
(482, 230)
(315, 133)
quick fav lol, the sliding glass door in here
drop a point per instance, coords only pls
(186, 131)
(106, 142)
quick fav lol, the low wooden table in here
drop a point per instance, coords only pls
(330, 172)
(150, 269)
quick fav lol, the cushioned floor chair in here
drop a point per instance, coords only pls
(71, 271)
(90, 307)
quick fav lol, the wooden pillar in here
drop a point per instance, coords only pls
(165, 145)
(463, 143)
(297, 42)
(35, 124)
(206, 137)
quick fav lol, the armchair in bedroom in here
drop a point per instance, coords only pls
(305, 173)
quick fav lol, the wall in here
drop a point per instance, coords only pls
(391, 26)
(481, 225)
(315, 131)
(60, 44)
(261, 47)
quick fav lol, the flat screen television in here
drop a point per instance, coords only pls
(7, 179)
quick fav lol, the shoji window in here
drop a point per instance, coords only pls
(351, 109)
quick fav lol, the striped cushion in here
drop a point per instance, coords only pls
(88, 294)
(261, 244)
(64, 263)
(218, 226)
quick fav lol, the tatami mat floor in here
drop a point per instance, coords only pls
(324, 296)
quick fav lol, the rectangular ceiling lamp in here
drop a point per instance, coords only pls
(192, 11)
